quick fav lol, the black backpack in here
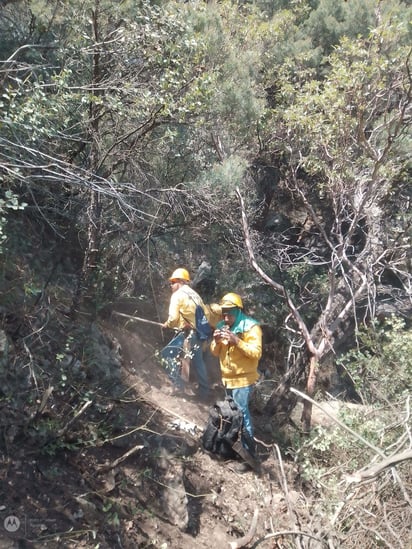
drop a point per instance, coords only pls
(224, 427)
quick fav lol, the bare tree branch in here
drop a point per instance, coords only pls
(278, 287)
(375, 470)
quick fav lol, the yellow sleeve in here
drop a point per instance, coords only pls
(251, 344)
(174, 318)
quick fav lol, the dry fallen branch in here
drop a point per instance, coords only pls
(293, 517)
(372, 472)
(363, 440)
(109, 466)
(283, 481)
(66, 427)
(79, 412)
(242, 542)
(288, 533)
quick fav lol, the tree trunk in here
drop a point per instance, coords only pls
(85, 294)
(310, 390)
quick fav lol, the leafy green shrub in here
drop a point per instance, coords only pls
(331, 452)
(381, 366)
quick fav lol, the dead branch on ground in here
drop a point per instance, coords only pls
(372, 472)
(245, 540)
(108, 466)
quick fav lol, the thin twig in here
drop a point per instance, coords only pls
(284, 485)
(145, 320)
(73, 419)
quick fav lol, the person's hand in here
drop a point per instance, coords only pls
(229, 337)
(217, 334)
(220, 336)
(225, 336)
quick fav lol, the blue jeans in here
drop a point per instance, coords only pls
(171, 360)
(196, 351)
(241, 396)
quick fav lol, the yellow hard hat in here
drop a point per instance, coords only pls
(231, 300)
(180, 274)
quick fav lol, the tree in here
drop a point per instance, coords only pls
(344, 143)
(121, 114)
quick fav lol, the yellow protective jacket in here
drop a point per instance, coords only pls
(182, 308)
(239, 363)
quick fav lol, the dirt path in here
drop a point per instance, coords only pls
(222, 502)
(142, 372)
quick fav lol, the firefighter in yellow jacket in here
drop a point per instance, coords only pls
(181, 316)
(237, 341)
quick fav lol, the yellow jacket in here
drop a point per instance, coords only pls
(239, 363)
(182, 308)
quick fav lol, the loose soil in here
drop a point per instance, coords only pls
(149, 484)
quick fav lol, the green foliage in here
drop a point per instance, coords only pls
(381, 366)
(160, 108)
(344, 135)
(9, 202)
(331, 20)
(177, 98)
(329, 449)
(225, 177)
(316, 456)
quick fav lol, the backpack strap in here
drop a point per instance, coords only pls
(197, 305)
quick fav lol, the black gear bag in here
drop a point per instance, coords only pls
(224, 427)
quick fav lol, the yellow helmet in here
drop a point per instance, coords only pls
(231, 300)
(180, 274)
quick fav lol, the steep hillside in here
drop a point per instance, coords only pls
(147, 482)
